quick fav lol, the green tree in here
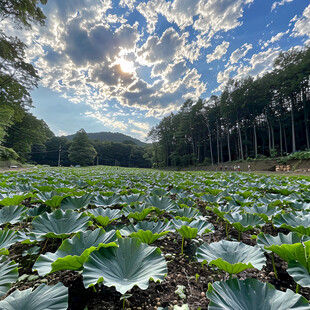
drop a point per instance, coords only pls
(26, 132)
(17, 77)
(81, 151)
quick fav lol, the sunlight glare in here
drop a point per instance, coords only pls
(126, 66)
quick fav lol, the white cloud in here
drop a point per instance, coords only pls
(279, 3)
(219, 52)
(240, 53)
(150, 11)
(302, 24)
(215, 16)
(257, 65)
(275, 38)
(107, 121)
(127, 3)
(164, 49)
(144, 127)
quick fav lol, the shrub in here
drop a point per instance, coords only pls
(300, 155)
(7, 153)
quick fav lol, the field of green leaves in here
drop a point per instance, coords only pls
(113, 238)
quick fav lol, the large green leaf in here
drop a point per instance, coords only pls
(12, 214)
(251, 294)
(42, 298)
(211, 198)
(299, 252)
(104, 216)
(162, 204)
(8, 275)
(74, 203)
(186, 213)
(244, 222)
(51, 199)
(7, 238)
(266, 240)
(131, 199)
(13, 199)
(137, 212)
(299, 273)
(115, 267)
(192, 229)
(221, 210)
(293, 222)
(265, 212)
(105, 201)
(232, 257)
(148, 232)
(72, 253)
(60, 224)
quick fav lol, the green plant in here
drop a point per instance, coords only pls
(42, 298)
(232, 257)
(252, 294)
(114, 267)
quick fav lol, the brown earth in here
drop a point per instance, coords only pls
(268, 165)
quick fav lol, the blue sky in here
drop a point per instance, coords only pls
(122, 65)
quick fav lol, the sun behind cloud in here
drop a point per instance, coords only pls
(126, 65)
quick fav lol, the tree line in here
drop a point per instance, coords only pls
(252, 118)
(59, 151)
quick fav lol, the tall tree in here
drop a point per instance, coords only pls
(81, 151)
(26, 132)
(17, 77)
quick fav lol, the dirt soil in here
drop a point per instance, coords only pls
(182, 270)
(268, 165)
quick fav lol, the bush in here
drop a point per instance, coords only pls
(300, 155)
(7, 153)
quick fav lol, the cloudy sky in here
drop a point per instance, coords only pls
(122, 65)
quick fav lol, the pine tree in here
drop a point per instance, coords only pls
(81, 151)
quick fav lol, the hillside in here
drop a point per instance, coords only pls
(110, 136)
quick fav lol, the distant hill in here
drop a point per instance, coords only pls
(110, 136)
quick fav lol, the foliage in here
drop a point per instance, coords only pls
(17, 77)
(252, 294)
(232, 257)
(60, 224)
(130, 196)
(81, 152)
(300, 155)
(42, 298)
(114, 267)
(7, 153)
(73, 252)
(8, 275)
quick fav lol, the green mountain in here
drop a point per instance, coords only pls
(110, 136)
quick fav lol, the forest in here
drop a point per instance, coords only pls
(254, 118)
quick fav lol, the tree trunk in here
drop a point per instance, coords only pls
(221, 146)
(280, 130)
(272, 136)
(240, 140)
(255, 139)
(306, 118)
(210, 141)
(269, 136)
(217, 142)
(285, 141)
(293, 125)
(228, 145)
